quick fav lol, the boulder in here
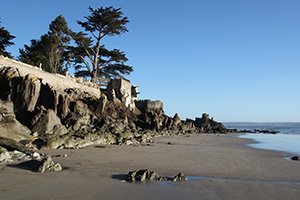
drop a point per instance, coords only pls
(176, 120)
(101, 106)
(44, 121)
(12, 145)
(9, 80)
(148, 175)
(79, 116)
(10, 127)
(179, 177)
(71, 141)
(295, 158)
(47, 164)
(9, 157)
(49, 97)
(206, 125)
(2, 149)
(28, 94)
(142, 175)
(44, 165)
(5, 158)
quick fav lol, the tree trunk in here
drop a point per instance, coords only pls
(94, 76)
(96, 59)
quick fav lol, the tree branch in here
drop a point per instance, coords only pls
(94, 35)
(87, 52)
(86, 64)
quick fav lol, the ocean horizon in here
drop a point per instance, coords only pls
(286, 140)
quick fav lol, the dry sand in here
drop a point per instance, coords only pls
(229, 168)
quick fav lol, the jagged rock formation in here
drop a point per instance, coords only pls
(148, 175)
(10, 127)
(22, 155)
(54, 112)
(41, 165)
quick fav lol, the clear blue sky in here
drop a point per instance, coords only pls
(238, 60)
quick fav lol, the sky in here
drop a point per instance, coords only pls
(238, 60)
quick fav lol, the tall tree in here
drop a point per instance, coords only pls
(91, 57)
(50, 50)
(5, 41)
(59, 39)
(35, 53)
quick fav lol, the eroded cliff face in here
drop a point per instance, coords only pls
(53, 111)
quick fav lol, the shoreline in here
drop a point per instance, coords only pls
(276, 142)
(226, 168)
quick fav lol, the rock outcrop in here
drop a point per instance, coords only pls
(148, 175)
(296, 158)
(45, 164)
(51, 111)
(23, 155)
(10, 127)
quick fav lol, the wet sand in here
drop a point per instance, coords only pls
(222, 167)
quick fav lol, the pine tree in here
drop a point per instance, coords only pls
(5, 41)
(35, 53)
(50, 50)
(59, 39)
(90, 56)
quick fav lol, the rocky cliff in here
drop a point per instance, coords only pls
(55, 111)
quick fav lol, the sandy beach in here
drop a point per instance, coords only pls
(218, 167)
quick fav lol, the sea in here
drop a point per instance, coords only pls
(287, 140)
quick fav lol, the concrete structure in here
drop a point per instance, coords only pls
(144, 105)
(57, 81)
(121, 89)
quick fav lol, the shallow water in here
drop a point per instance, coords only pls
(216, 178)
(287, 140)
(280, 142)
(282, 127)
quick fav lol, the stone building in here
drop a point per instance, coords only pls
(122, 90)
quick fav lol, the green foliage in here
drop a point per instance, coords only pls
(5, 41)
(91, 58)
(50, 50)
(35, 54)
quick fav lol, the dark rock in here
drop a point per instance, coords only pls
(12, 145)
(10, 127)
(266, 131)
(44, 165)
(208, 125)
(48, 97)
(45, 121)
(142, 175)
(8, 157)
(245, 131)
(176, 119)
(101, 106)
(295, 158)
(9, 80)
(47, 164)
(148, 175)
(179, 177)
(28, 94)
